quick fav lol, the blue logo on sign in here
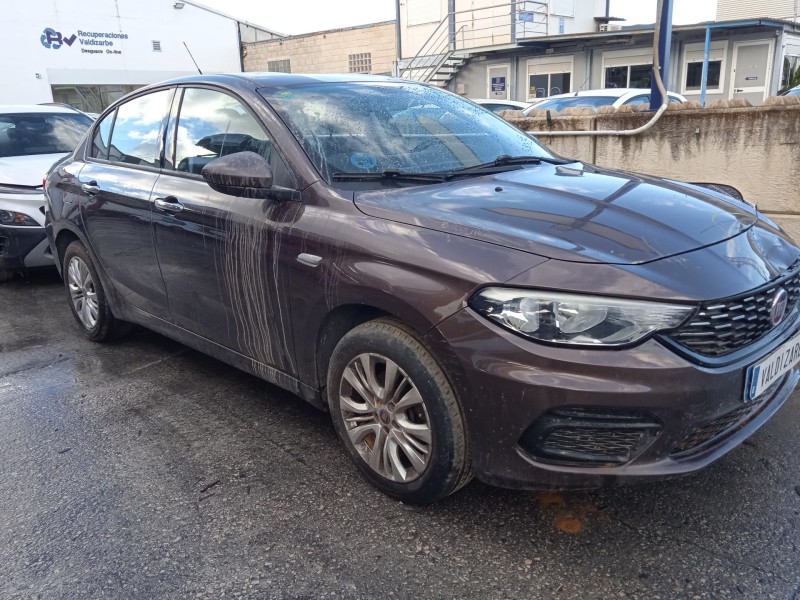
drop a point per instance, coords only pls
(54, 39)
(754, 381)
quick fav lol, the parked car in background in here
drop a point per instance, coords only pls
(32, 138)
(497, 106)
(460, 300)
(615, 97)
(795, 91)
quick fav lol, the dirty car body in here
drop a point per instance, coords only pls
(585, 327)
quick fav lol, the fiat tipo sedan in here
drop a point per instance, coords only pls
(462, 301)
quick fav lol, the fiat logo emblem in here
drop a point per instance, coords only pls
(779, 304)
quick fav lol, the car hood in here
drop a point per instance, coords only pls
(571, 212)
(26, 170)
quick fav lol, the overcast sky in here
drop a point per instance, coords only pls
(302, 16)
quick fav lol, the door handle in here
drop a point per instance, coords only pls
(168, 204)
(90, 187)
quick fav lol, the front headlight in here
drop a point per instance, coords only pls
(9, 217)
(577, 320)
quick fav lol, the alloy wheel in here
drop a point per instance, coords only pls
(82, 292)
(385, 417)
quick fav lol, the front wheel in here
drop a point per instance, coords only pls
(87, 298)
(6, 275)
(397, 414)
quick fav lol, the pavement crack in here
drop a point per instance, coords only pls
(209, 486)
(156, 362)
(31, 367)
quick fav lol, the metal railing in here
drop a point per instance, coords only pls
(462, 30)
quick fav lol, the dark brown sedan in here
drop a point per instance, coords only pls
(461, 301)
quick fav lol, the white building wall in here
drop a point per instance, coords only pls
(747, 9)
(124, 31)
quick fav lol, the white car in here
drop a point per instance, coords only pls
(499, 105)
(615, 97)
(32, 138)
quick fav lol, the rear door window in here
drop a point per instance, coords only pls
(102, 134)
(136, 136)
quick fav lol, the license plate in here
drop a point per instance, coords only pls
(762, 375)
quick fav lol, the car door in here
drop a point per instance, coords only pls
(121, 169)
(220, 255)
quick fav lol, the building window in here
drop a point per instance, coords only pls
(694, 76)
(156, 46)
(629, 76)
(549, 84)
(279, 66)
(360, 63)
(791, 72)
(549, 77)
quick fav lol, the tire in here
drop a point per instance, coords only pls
(6, 275)
(415, 421)
(87, 298)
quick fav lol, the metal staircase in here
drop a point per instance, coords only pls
(462, 33)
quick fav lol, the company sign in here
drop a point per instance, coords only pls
(91, 42)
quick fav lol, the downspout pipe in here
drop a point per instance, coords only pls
(706, 56)
(659, 82)
(664, 51)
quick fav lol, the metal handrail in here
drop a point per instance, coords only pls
(442, 43)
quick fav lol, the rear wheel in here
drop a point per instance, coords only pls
(397, 414)
(87, 298)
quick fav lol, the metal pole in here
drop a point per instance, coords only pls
(451, 19)
(398, 32)
(706, 55)
(664, 48)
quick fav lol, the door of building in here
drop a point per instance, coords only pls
(498, 82)
(751, 70)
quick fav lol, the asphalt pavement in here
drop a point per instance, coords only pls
(143, 469)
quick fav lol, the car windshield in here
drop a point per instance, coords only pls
(793, 92)
(25, 134)
(559, 104)
(410, 128)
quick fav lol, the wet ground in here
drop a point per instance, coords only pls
(142, 469)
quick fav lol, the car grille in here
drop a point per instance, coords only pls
(589, 436)
(597, 442)
(714, 431)
(724, 327)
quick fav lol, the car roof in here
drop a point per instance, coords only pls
(37, 108)
(279, 80)
(497, 101)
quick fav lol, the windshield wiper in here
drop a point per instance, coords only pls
(504, 160)
(391, 175)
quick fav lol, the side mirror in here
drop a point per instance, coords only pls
(242, 174)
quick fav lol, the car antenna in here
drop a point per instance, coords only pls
(192, 57)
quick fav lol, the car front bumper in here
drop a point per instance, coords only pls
(24, 248)
(544, 417)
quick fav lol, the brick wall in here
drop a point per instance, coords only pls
(327, 51)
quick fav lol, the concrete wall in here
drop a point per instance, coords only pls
(755, 150)
(326, 51)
